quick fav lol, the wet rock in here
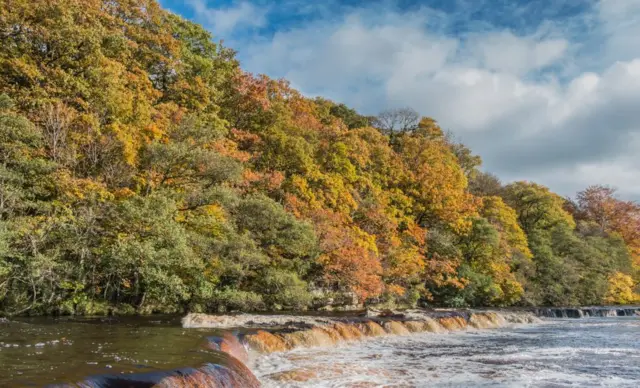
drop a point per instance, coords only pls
(415, 326)
(232, 375)
(237, 375)
(397, 328)
(349, 332)
(196, 320)
(453, 323)
(4, 320)
(229, 374)
(482, 321)
(329, 331)
(384, 313)
(266, 342)
(433, 326)
(372, 329)
(351, 307)
(307, 338)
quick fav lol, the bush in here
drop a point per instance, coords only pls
(285, 289)
(236, 300)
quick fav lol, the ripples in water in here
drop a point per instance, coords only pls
(37, 352)
(559, 353)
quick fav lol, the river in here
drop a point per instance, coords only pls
(586, 352)
(554, 353)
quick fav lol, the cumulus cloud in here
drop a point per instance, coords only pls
(223, 21)
(556, 104)
(504, 51)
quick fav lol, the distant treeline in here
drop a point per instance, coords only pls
(142, 170)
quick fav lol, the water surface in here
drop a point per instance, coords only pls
(37, 352)
(556, 353)
(587, 352)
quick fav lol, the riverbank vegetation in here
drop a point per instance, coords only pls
(142, 170)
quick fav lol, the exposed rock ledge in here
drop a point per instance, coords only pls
(285, 332)
(196, 320)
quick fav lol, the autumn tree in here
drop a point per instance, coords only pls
(143, 171)
(402, 120)
(600, 205)
(437, 184)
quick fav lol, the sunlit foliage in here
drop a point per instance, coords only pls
(142, 170)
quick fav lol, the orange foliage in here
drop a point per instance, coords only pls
(349, 256)
(599, 204)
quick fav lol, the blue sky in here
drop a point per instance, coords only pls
(543, 90)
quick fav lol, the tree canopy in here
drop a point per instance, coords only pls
(142, 170)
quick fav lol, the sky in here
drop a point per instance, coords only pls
(543, 90)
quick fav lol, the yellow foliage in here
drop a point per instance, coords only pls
(123, 193)
(438, 184)
(77, 189)
(207, 220)
(621, 290)
(128, 142)
(505, 219)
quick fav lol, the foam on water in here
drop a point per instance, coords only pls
(558, 353)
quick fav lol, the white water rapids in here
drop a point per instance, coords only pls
(590, 352)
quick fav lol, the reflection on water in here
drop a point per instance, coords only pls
(560, 353)
(36, 352)
(556, 353)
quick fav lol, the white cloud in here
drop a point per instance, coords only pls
(621, 28)
(504, 51)
(223, 21)
(528, 104)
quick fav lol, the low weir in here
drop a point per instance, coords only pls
(283, 333)
(584, 312)
(265, 334)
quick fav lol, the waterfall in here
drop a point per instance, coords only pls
(226, 369)
(582, 312)
(356, 329)
(270, 334)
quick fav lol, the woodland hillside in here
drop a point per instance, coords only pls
(142, 170)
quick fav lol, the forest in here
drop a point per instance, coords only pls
(143, 171)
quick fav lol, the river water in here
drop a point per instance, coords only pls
(38, 352)
(587, 352)
(584, 352)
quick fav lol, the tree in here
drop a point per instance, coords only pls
(350, 117)
(485, 184)
(437, 183)
(142, 170)
(349, 257)
(537, 207)
(620, 290)
(402, 120)
(599, 204)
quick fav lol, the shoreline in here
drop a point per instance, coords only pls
(234, 342)
(319, 313)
